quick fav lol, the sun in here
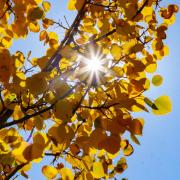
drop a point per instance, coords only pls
(94, 64)
(92, 67)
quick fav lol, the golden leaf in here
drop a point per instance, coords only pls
(49, 171)
(98, 170)
(163, 104)
(46, 5)
(116, 51)
(66, 173)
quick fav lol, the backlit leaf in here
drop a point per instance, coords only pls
(66, 173)
(46, 5)
(163, 104)
(49, 171)
(98, 170)
(115, 51)
(71, 5)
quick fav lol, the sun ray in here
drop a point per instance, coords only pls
(91, 67)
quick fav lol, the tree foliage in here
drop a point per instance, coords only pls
(71, 113)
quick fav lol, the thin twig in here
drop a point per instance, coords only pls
(25, 118)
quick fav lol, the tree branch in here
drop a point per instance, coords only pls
(140, 10)
(54, 60)
(100, 107)
(25, 118)
(17, 168)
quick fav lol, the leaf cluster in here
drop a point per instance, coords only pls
(67, 116)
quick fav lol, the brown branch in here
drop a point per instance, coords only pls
(54, 60)
(140, 10)
(79, 103)
(25, 118)
(66, 21)
(17, 168)
(57, 56)
(60, 25)
(64, 152)
(52, 154)
(106, 7)
(2, 102)
(99, 107)
(95, 40)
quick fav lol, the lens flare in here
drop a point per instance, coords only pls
(92, 67)
(94, 64)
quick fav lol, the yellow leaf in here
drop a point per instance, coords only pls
(147, 12)
(157, 80)
(118, 71)
(163, 104)
(4, 148)
(71, 5)
(17, 114)
(98, 170)
(27, 167)
(75, 4)
(129, 45)
(46, 5)
(165, 51)
(34, 27)
(116, 51)
(127, 148)
(49, 171)
(18, 152)
(66, 173)
(6, 41)
(38, 1)
(171, 20)
(151, 68)
(53, 39)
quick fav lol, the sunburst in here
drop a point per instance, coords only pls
(92, 67)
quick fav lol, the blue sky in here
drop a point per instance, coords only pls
(158, 156)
